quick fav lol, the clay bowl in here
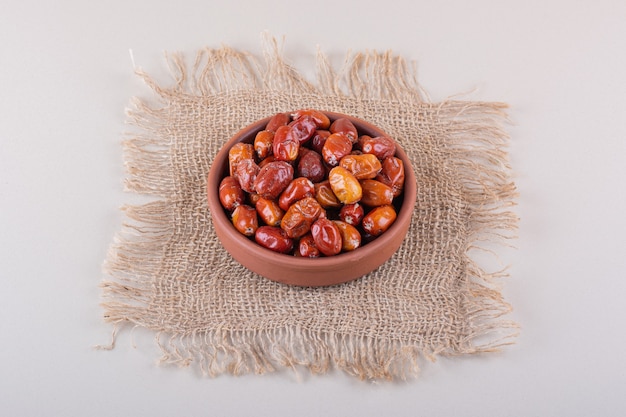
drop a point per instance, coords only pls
(313, 272)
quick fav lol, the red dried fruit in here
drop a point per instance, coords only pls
(246, 173)
(307, 248)
(321, 120)
(310, 208)
(346, 127)
(230, 193)
(245, 220)
(253, 198)
(294, 224)
(377, 221)
(298, 219)
(337, 146)
(297, 189)
(317, 141)
(375, 193)
(278, 120)
(273, 179)
(350, 236)
(352, 214)
(325, 196)
(381, 146)
(263, 142)
(327, 237)
(269, 211)
(363, 166)
(310, 165)
(237, 153)
(392, 174)
(344, 185)
(285, 147)
(273, 238)
(266, 161)
(334, 169)
(302, 129)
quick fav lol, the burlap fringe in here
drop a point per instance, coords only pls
(238, 353)
(477, 145)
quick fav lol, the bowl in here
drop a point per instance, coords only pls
(311, 272)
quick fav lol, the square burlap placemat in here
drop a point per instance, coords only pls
(167, 272)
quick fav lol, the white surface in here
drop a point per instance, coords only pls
(66, 77)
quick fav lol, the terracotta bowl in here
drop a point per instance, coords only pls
(314, 272)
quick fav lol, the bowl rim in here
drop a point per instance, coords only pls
(218, 214)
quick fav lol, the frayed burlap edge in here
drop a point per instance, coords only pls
(477, 148)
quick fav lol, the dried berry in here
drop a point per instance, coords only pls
(237, 153)
(392, 174)
(246, 173)
(307, 248)
(350, 236)
(327, 237)
(298, 219)
(297, 189)
(345, 126)
(263, 142)
(245, 220)
(278, 120)
(363, 166)
(273, 179)
(273, 238)
(266, 161)
(375, 193)
(381, 146)
(310, 208)
(319, 138)
(321, 120)
(337, 146)
(325, 196)
(352, 214)
(285, 147)
(269, 211)
(310, 165)
(377, 221)
(344, 185)
(230, 193)
(294, 224)
(302, 129)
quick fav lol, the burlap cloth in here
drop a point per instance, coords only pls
(167, 272)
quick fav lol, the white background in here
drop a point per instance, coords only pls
(66, 78)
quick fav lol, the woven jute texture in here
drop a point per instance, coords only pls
(167, 272)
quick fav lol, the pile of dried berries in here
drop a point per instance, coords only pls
(310, 187)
